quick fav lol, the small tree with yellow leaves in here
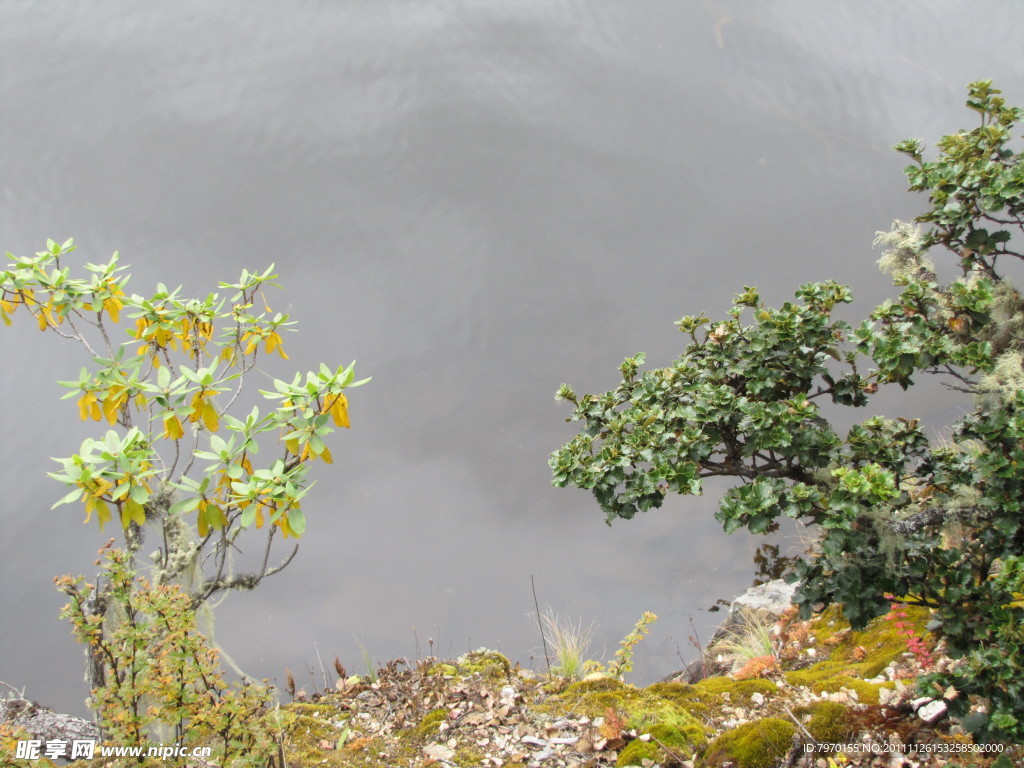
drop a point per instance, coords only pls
(167, 391)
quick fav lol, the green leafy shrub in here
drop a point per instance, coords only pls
(161, 680)
(622, 664)
(938, 523)
(183, 438)
(169, 392)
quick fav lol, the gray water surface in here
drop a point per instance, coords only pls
(479, 201)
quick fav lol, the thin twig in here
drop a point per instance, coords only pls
(695, 639)
(20, 694)
(322, 670)
(675, 756)
(543, 639)
(800, 725)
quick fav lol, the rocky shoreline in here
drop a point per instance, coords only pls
(772, 690)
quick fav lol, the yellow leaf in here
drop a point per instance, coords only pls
(52, 318)
(83, 405)
(159, 336)
(326, 455)
(113, 306)
(113, 402)
(201, 524)
(210, 418)
(172, 428)
(252, 338)
(42, 320)
(135, 511)
(89, 407)
(292, 446)
(100, 486)
(102, 512)
(305, 452)
(274, 342)
(339, 411)
(198, 404)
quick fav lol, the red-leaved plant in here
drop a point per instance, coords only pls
(905, 629)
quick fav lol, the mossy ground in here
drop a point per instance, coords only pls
(757, 744)
(856, 657)
(480, 710)
(477, 709)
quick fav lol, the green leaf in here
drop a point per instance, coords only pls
(186, 505)
(296, 520)
(74, 495)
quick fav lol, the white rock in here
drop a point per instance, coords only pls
(757, 699)
(887, 696)
(773, 598)
(918, 703)
(932, 712)
(439, 752)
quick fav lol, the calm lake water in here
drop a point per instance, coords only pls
(479, 201)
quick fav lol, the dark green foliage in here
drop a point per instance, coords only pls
(936, 521)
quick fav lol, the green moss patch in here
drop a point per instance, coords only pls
(673, 742)
(869, 651)
(668, 704)
(827, 678)
(716, 691)
(758, 744)
(430, 724)
(829, 721)
(636, 752)
(468, 757)
(486, 663)
(855, 656)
